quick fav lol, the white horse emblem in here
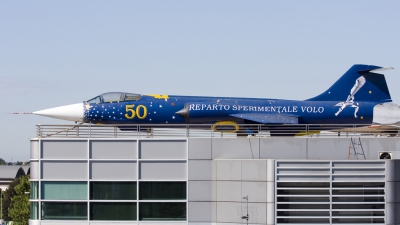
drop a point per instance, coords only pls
(350, 99)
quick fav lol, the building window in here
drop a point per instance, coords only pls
(62, 190)
(162, 211)
(34, 210)
(113, 190)
(64, 211)
(34, 190)
(113, 211)
(162, 190)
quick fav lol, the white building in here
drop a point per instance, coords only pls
(83, 178)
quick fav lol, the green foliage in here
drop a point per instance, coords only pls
(19, 210)
(2, 162)
(7, 195)
(2, 196)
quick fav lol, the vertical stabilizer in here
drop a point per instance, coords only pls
(359, 83)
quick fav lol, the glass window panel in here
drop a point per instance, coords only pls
(162, 190)
(162, 211)
(113, 211)
(64, 211)
(112, 97)
(34, 210)
(113, 190)
(131, 96)
(61, 190)
(95, 100)
(34, 190)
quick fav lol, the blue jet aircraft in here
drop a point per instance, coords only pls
(350, 100)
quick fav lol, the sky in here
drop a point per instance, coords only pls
(54, 53)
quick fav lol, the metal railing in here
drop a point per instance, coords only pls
(208, 130)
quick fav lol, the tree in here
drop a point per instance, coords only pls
(2, 161)
(2, 197)
(7, 195)
(19, 210)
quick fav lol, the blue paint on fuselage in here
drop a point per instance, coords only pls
(350, 100)
(214, 109)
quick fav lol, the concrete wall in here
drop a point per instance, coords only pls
(216, 194)
(228, 173)
(324, 148)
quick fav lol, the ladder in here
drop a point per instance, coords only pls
(355, 148)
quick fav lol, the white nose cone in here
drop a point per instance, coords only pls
(72, 112)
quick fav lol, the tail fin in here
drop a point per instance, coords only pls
(359, 83)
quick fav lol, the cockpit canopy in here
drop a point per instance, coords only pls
(115, 97)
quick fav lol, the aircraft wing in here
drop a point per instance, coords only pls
(267, 118)
(394, 126)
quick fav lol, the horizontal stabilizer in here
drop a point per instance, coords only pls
(267, 118)
(378, 70)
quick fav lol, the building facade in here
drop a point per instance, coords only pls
(216, 180)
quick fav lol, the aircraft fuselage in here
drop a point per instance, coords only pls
(163, 110)
(350, 100)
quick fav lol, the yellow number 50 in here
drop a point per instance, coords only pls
(131, 112)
